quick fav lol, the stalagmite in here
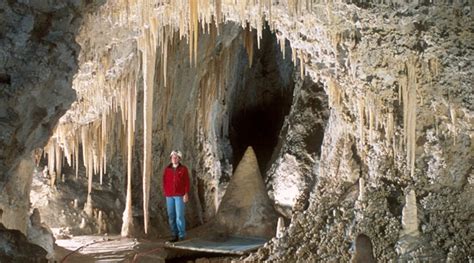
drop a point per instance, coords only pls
(246, 194)
(280, 227)
(410, 215)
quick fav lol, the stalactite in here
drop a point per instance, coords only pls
(408, 95)
(390, 129)
(59, 161)
(452, 113)
(361, 111)
(76, 154)
(103, 145)
(218, 13)
(334, 92)
(248, 44)
(293, 55)
(282, 42)
(302, 69)
(242, 7)
(370, 115)
(51, 150)
(127, 218)
(193, 30)
(165, 56)
(87, 163)
(259, 25)
(148, 48)
(434, 67)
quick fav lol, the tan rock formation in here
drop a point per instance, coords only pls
(245, 208)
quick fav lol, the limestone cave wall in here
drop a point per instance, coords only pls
(38, 59)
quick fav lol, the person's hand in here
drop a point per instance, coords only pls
(185, 198)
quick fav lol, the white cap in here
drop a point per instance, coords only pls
(178, 153)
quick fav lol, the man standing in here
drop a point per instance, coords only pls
(176, 189)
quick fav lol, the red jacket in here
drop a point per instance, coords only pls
(176, 180)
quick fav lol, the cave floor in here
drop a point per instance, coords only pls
(117, 249)
(109, 249)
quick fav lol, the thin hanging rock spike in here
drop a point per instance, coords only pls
(293, 55)
(302, 70)
(334, 92)
(408, 95)
(390, 129)
(248, 43)
(452, 114)
(50, 150)
(193, 31)
(59, 160)
(218, 13)
(127, 219)
(259, 30)
(76, 154)
(361, 112)
(167, 35)
(86, 149)
(196, 28)
(149, 61)
(282, 41)
(103, 144)
(242, 7)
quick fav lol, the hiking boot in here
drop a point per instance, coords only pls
(174, 239)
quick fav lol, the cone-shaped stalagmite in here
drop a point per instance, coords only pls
(246, 208)
(410, 215)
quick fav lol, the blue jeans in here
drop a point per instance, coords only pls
(175, 207)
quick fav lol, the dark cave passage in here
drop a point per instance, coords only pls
(262, 99)
(258, 127)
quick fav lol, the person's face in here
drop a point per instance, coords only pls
(174, 159)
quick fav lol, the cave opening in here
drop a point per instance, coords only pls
(261, 100)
